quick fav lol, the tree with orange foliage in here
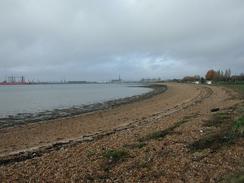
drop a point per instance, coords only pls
(211, 75)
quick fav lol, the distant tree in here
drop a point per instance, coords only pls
(188, 79)
(197, 77)
(202, 80)
(191, 78)
(211, 75)
(227, 74)
(221, 75)
(218, 74)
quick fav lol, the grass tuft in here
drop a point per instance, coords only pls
(235, 178)
(135, 145)
(239, 126)
(218, 119)
(158, 135)
(229, 130)
(115, 155)
(213, 142)
(155, 135)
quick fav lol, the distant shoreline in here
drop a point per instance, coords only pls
(24, 118)
(66, 83)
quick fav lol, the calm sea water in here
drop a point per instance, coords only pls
(37, 98)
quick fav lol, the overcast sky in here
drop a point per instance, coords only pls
(100, 39)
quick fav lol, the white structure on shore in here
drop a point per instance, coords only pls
(209, 82)
(196, 82)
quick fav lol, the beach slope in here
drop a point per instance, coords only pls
(181, 135)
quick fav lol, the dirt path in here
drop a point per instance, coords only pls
(150, 139)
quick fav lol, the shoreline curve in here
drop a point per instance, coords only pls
(12, 121)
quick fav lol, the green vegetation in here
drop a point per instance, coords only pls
(135, 145)
(90, 153)
(237, 86)
(158, 135)
(213, 142)
(155, 135)
(218, 119)
(230, 83)
(239, 126)
(235, 178)
(229, 130)
(115, 155)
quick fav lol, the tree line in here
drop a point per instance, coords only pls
(218, 75)
(212, 75)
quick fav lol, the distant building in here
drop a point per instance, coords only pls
(119, 80)
(14, 80)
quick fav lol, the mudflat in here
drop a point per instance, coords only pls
(151, 140)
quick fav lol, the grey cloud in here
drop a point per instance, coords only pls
(98, 40)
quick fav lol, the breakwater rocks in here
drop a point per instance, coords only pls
(23, 118)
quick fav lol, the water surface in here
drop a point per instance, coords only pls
(37, 98)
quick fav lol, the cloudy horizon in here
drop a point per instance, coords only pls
(100, 40)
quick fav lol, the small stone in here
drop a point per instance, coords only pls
(214, 109)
